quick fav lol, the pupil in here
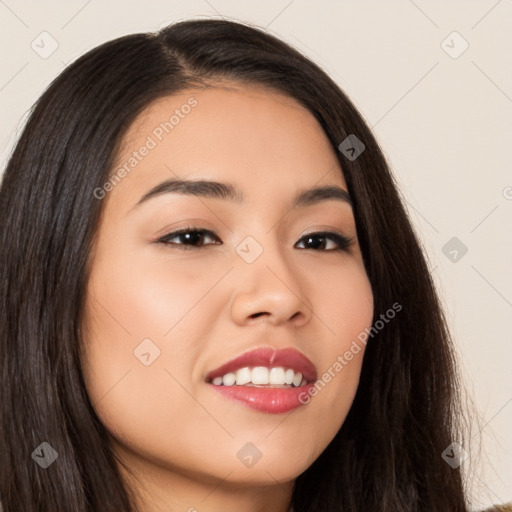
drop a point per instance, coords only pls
(315, 244)
(193, 237)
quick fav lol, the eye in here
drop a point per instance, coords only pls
(341, 242)
(192, 238)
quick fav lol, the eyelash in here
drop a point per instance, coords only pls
(343, 242)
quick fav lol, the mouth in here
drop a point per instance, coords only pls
(265, 379)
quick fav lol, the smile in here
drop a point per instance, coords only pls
(262, 376)
(265, 379)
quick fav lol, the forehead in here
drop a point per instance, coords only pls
(250, 136)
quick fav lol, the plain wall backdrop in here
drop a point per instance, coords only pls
(434, 81)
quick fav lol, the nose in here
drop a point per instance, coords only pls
(269, 290)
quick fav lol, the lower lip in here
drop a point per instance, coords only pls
(269, 400)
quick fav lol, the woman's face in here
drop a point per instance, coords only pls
(164, 312)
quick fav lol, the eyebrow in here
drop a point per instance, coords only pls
(228, 191)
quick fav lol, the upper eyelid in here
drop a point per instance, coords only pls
(184, 230)
(189, 229)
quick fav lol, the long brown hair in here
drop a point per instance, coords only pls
(387, 455)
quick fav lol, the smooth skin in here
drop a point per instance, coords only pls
(205, 305)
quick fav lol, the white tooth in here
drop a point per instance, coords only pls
(229, 379)
(259, 375)
(243, 376)
(303, 382)
(297, 379)
(276, 376)
(217, 381)
(288, 376)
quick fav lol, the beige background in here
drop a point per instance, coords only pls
(443, 117)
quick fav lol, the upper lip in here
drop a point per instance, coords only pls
(270, 358)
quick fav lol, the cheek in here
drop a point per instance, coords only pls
(348, 301)
(131, 309)
(149, 294)
(139, 306)
(345, 308)
(343, 302)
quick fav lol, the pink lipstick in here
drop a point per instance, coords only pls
(265, 379)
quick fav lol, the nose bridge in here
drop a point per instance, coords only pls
(264, 251)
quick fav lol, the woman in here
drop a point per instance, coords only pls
(212, 296)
